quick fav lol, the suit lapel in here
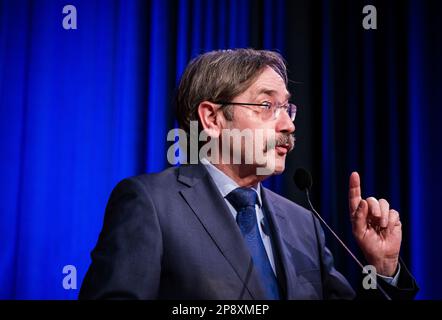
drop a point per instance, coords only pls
(210, 208)
(277, 220)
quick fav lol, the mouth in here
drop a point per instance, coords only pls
(283, 149)
(282, 145)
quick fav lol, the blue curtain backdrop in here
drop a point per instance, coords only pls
(82, 109)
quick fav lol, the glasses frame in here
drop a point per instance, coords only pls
(266, 106)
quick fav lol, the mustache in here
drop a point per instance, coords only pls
(282, 140)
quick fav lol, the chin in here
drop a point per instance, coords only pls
(279, 169)
(275, 163)
(279, 165)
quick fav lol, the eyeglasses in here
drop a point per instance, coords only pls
(269, 111)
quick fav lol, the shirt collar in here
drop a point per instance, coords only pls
(224, 183)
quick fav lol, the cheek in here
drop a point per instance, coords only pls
(247, 119)
(263, 133)
(269, 137)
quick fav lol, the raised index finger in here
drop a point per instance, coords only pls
(354, 192)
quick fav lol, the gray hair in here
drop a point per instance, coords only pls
(221, 76)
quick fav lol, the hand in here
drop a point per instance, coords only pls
(376, 227)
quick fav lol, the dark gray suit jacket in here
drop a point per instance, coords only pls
(171, 236)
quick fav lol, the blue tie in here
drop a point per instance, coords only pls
(244, 201)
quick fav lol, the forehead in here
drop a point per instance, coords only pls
(269, 83)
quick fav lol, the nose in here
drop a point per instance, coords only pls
(284, 123)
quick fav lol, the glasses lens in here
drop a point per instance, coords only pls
(289, 108)
(292, 111)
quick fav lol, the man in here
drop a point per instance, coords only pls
(211, 230)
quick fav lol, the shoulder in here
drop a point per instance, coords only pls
(162, 186)
(159, 180)
(149, 182)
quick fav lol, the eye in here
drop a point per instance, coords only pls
(268, 104)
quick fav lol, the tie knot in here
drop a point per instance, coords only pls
(242, 197)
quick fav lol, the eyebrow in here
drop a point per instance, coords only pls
(270, 92)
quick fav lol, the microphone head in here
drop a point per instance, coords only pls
(303, 179)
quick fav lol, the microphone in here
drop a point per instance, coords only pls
(303, 180)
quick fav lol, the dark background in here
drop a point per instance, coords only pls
(82, 109)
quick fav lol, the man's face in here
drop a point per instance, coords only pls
(269, 87)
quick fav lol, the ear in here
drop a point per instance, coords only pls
(210, 118)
